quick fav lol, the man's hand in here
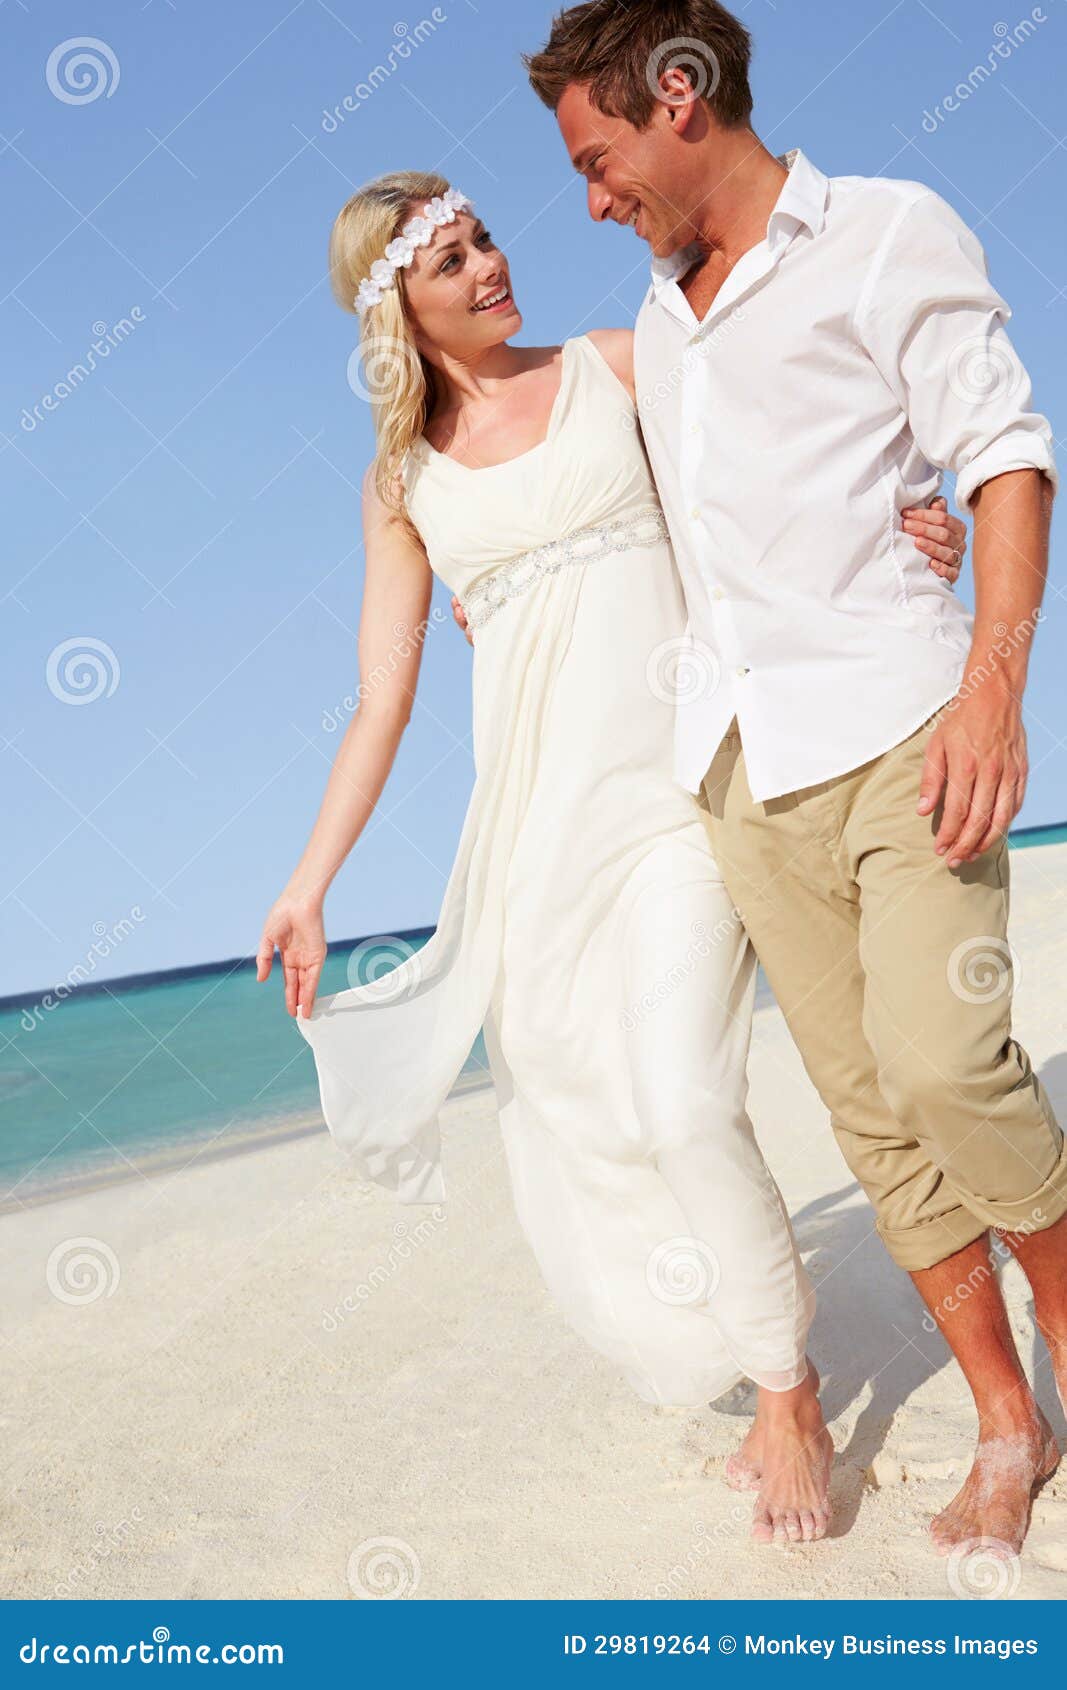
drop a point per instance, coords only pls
(461, 620)
(977, 758)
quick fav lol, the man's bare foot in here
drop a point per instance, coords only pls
(992, 1511)
(793, 1504)
(743, 1469)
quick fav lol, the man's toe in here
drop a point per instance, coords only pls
(762, 1525)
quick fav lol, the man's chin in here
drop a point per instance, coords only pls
(665, 245)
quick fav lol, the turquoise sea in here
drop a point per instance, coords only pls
(145, 1073)
(136, 1075)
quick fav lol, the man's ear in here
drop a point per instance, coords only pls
(678, 97)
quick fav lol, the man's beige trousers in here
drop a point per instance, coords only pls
(894, 975)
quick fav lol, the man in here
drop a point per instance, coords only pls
(859, 744)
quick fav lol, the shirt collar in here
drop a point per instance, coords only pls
(802, 201)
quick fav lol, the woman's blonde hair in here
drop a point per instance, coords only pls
(399, 380)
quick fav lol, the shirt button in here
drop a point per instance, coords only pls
(717, 593)
(695, 514)
(742, 671)
(694, 428)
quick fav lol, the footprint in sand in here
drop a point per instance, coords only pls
(1047, 1542)
(1050, 1555)
(887, 1470)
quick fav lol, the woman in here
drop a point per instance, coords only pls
(584, 925)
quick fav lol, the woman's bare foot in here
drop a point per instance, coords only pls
(992, 1511)
(794, 1452)
(744, 1468)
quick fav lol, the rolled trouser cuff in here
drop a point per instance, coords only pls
(933, 1240)
(1034, 1213)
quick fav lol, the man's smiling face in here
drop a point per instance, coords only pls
(634, 176)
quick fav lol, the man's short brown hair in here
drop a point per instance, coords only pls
(618, 49)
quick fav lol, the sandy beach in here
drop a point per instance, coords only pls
(266, 1380)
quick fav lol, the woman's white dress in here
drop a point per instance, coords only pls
(586, 927)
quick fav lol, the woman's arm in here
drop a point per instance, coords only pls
(396, 601)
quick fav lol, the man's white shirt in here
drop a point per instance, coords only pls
(849, 357)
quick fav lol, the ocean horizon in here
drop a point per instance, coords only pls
(106, 1080)
(137, 1075)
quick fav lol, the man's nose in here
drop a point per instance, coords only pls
(599, 201)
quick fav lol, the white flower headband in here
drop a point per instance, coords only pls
(417, 231)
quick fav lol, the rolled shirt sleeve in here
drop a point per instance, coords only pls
(934, 326)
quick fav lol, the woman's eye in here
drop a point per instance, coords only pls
(484, 239)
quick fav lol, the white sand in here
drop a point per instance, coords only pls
(199, 1433)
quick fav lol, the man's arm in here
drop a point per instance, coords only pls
(977, 754)
(934, 326)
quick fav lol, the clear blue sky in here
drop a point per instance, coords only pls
(192, 505)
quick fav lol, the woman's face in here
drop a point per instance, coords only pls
(458, 291)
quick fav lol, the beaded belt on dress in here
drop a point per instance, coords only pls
(586, 545)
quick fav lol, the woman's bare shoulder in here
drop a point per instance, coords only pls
(616, 347)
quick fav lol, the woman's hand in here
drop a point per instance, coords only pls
(297, 930)
(942, 537)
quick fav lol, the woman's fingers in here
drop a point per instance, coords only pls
(943, 538)
(301, 945)
(930, 528)
(264, 956)
(460, 616)
(943, 560)
(309, 985)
